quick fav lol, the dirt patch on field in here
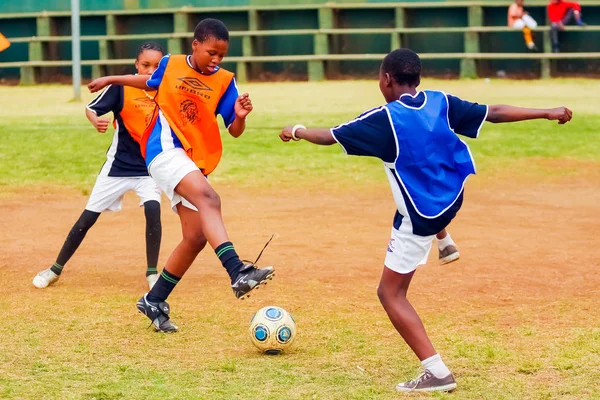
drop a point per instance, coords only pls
(531, 244)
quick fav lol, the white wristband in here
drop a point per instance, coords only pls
(294, 129)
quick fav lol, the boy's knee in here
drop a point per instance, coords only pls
(195, 240)
(210, 198)
(86, 220)
(388, 293)
(152, 209)
(383, 293)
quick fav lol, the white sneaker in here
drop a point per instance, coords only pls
(45, 278)
(152, 280)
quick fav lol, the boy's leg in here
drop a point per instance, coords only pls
(554, 29)
(578, 21)
(522, 25)
(150, 197)
(568, 16)
(74, 238)
(195, 188)
(154, 302)
(153, 239)
(448, 252)
(392, 294)
(529, 21)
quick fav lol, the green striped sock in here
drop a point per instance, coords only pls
(56, 268)
(164, 286)
(230, 260)
(151, 271)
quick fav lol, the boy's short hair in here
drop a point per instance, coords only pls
(149, 46)
(211, 28)
(404, 66)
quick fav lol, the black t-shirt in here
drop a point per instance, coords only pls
(123, 157)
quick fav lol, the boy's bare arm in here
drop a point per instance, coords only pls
(243, 107)
(503, 113)
(101, 124)
(136, 81)
(320, 136)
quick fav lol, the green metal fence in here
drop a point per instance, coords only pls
(314, 41)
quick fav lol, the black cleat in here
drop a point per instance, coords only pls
(158, 313)
(250, 278)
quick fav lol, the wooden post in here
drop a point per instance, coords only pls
(396, 41)
(546, 63)
(242, 67)
(253, 45)
(27, 76)
(316, 68)
(180, 25)
(107, 47)
(468, 68)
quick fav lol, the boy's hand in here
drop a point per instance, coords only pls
(243, 106)
(98, 84)
(286, 133)
(560, 114)
(101, 125)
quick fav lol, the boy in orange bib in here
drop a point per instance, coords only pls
(181, 147)
(124, 169)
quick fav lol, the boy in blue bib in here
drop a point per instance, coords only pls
(427, 164)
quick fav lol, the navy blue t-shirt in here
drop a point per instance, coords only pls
(123, 157)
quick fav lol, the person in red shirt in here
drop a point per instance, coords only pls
(560, 14)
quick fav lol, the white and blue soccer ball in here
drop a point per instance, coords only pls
(272, 330)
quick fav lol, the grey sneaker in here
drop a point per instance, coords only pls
(45, 278)
(427, 382)
(158, 313)
(449, 254)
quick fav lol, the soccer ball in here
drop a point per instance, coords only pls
(272, 330)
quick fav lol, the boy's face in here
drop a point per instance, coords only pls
(208, 55)
(147, 62)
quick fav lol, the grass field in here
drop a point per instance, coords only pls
(48, 140)
(515, 318)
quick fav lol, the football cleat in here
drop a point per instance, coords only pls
(45, 278)
(158, 313)
(250, 278)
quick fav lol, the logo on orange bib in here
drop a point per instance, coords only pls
(194, 83)
(189, 111)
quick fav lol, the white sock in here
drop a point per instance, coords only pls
(436, 366)
(445, 242)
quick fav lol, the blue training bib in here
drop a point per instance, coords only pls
(433, 163)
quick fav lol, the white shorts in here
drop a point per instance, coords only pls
(108, 192)
(406, 251)
(168, 169)
(525, 21)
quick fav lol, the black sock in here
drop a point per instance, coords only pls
(153, 235)
(164, 286)
(230, 260)
(74, 238)
(56, 268)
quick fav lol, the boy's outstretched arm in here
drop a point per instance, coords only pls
(321, 136)
(503, 113)
(136, 81)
